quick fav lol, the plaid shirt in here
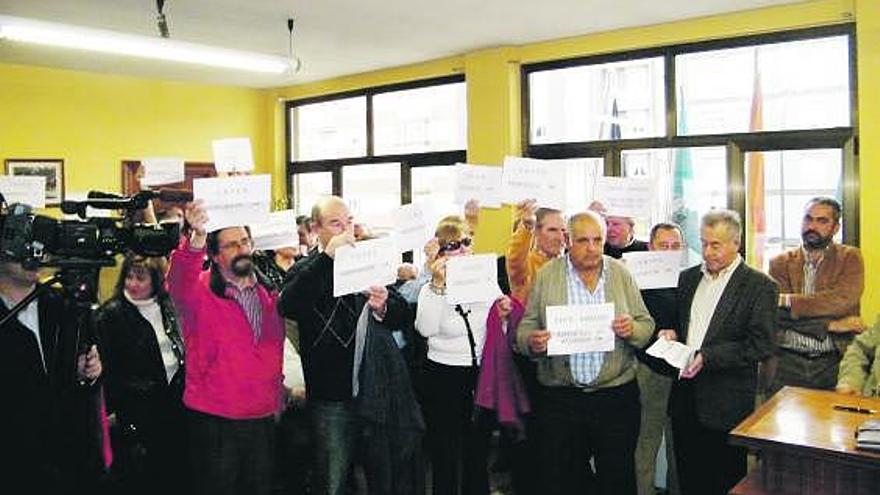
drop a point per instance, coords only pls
(585, 366)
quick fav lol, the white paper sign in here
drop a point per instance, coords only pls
(527, 178)
(580, 328)
(480, 182)
(28, 190)
(372, 262)
(472, 279)
(160, 171)
(234, 201)
(654, 269)
(413, 227)
(626, 196)
(278, 231)
(673, 352)
(233, 155)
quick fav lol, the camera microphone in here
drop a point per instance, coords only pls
(175, 195)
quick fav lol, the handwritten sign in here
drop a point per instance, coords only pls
(234, 201)
(367, 263)
(580, 328)
(277, 231)
(233, 155)
(413, 227)
(673, 352)
(481, 182)
(28, 190)
(626, 196)
(159, 171)
(527, 178)
(654, 269)
(472, 279)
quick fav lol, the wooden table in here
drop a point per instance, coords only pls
(806, 447)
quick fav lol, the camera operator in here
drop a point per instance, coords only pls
(49, 420)
(234, 340)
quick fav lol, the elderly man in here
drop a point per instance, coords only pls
(588, 403)
(327, 327)
(234, 346)
(820, 285)
(727, 312)
(621, 238)
(539, 237)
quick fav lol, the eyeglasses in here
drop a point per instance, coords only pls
(454, 245)
(236, 245)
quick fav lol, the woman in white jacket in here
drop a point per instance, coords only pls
(458, 440)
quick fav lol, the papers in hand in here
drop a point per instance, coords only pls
(367, 263)
(626, 196)
(528, 178)
(161, 171)
(27, 190)
(234, 201)
(481, 182)
(580, 328)
(654, 269)
(233, 155)
(278, 230)
(673, 352)
(472, 279)
(413, 227)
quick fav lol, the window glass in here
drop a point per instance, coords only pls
(331, 129)
(373, 194)
(420, 120)
(308, 188)
(800, 85)
(619, 100)
(690, 182)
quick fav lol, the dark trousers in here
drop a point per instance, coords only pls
(231, 456)
(798, 370)
(574, 425)
(707, 464)
(458, 442)
(335, 430)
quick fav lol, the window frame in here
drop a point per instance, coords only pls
(737, 144)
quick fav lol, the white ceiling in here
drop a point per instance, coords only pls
(338, 37)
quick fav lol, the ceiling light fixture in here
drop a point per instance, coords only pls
(295, 62)
(99, 40)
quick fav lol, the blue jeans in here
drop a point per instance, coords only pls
(334, 426)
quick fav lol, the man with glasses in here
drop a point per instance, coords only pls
(234, 345)
(820, 285)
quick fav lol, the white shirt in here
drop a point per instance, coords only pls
(30, 318)
(445, 329)
(705, 301)
(152, 312)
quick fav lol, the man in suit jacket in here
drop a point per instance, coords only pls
(820, 284)
(727, 312)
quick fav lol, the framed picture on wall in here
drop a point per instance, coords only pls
(50, 168)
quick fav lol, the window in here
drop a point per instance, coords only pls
(372, 146)
(698, 126)
(618, 100)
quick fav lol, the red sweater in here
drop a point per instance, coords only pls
(227, 373)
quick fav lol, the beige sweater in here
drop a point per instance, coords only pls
(550, 289)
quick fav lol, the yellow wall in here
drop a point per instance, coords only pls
(494, 113)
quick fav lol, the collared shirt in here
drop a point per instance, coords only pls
(585, 366)
(249, 299)
(705, 301)
(798, 342)
(30, 318)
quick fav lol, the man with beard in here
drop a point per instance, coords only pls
(820, 284)
(234, 345)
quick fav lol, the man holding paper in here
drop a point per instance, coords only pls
(539, 237)
(727, 313)
(327, 327)
(588, 402)
(234, 341)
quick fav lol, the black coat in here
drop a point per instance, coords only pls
(740, 335)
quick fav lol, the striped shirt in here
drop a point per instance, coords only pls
(585, 366)
(798, 342)
(249, 300)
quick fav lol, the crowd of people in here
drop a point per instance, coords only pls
(227, 370)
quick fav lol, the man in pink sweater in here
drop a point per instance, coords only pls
(234, 347)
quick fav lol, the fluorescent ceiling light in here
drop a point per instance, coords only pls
(99, 40)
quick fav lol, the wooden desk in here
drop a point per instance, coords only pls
(807, 447)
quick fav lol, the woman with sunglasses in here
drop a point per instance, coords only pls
(458, 439)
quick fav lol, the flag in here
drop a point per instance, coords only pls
(683, 171)
(615, 120)
(756, 226)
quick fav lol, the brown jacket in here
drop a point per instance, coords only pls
(839, 284)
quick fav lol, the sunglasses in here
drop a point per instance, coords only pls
(455, 245)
